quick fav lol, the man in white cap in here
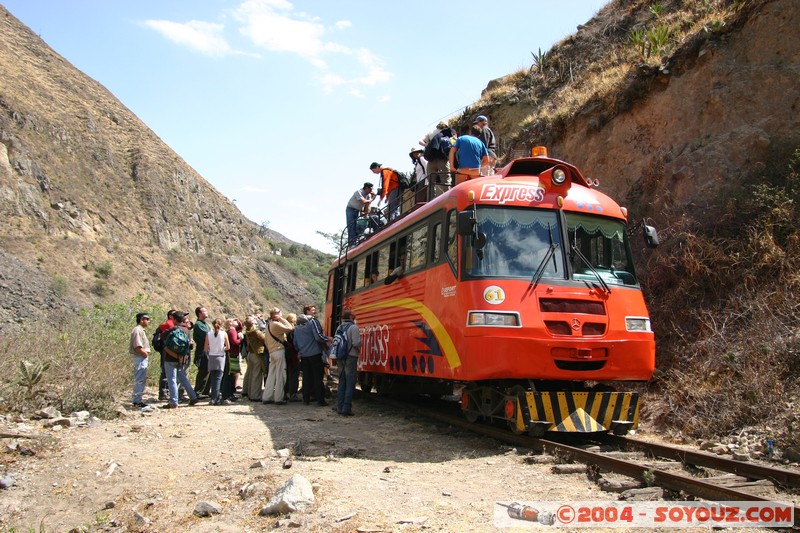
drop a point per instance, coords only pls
(358, 203)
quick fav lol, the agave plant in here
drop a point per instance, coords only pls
(30, 374)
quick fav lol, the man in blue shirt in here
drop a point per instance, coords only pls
(472, 155)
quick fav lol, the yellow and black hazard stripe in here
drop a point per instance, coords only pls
(578, 412)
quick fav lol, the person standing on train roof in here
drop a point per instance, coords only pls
(358, 203)
(488, 138)
(472, 155)
(389, 190)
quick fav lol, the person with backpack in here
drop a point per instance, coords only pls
(177, 350)
(389, 190)
(158, 345)
(200, 329)
(437, 153)
(140, 350)
(347, 341)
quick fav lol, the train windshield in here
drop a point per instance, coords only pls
(518, 243)
(599, 246)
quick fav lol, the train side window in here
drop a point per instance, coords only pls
(371, 268)
(383, 262)
(352, 270)
(436, 243)
(452, 241)
(417, 246)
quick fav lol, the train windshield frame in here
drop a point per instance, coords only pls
(521, 242)
(599, 246)
(518, 242)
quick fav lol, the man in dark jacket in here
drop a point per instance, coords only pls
(310, 341)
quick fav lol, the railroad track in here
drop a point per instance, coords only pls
(741, 483)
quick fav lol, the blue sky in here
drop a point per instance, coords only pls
(283, 105)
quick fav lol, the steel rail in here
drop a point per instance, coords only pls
(781, 476)
(691, 486)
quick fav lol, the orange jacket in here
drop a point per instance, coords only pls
(389, 181)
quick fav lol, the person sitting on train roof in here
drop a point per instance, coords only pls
(358, 203)
(472, 155)
(389, 189)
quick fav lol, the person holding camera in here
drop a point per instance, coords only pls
(358, 204)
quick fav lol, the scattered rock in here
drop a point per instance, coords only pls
(740, 456)
(251, 489)
(295, 495)
(416, 520)
(110, 504)
(47, 413)
(60, 421)
(287, 463)
(792, 453)
(259, 464)
(207, 508)
(6, 482)
(140, 519)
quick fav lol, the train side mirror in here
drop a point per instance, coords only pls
(466, 222)
(650, 237)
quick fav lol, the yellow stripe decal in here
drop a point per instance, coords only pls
(445, 342)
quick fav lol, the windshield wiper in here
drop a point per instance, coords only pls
(588, 264)
(537, 276)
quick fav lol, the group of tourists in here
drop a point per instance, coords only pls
(444, 154)
(275, 352)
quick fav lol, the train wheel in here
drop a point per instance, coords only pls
(365, 382)
(512, 424)
(469, 405)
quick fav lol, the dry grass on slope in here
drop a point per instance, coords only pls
(602, 69)
(726, 296)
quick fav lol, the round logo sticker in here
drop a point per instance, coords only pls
(494, 295)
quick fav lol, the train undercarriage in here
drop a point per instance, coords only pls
(533, 407)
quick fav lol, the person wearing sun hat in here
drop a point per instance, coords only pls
(420, 174)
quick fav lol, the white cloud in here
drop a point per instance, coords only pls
(272, 24)
(276, 26)
(205, 37)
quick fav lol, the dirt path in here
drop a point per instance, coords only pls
(147, 472)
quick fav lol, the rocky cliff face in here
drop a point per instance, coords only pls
(718, 112)
(671, 137)
(94, 205)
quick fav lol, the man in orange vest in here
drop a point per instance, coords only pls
(389, 189)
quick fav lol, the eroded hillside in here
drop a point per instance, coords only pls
(93, 205)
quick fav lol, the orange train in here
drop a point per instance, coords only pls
(515, 291)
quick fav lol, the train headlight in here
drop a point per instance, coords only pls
(635, 323)
(484, 318)
(559, 176)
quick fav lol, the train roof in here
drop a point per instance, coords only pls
(585, 197)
